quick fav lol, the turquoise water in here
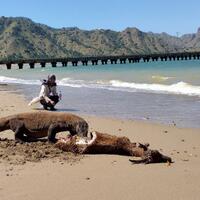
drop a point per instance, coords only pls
(161, 91)
(152, 72)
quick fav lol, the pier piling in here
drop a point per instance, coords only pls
(54, 64)
(20, 65)
(8, 65)
(32, 65)
(43, 64)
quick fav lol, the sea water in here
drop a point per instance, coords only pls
(166, 92)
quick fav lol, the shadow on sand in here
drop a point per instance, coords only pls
(60, 109)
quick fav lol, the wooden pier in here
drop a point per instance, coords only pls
(95, 60)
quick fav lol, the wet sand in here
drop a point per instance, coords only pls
(38, 171)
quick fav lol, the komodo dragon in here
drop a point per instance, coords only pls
(102, 143)
(42, 123)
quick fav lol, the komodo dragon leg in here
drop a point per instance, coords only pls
(19, 129)
(56, 128)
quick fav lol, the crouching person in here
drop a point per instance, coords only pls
(48, 96)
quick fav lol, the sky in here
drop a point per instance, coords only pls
(176, 17)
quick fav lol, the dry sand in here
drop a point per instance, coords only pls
(58, 176)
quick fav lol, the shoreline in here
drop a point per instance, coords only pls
(9, 88)
(107, 176)
(71, 103)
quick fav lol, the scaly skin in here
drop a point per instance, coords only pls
(42, 123)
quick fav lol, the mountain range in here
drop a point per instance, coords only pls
(22, 38)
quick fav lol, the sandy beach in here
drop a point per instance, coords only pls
(106, 176)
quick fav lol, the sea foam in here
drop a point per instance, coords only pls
(177, 88)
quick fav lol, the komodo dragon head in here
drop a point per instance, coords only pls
(80, 129)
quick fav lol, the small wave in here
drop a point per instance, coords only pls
(180, 88)
(4, 79)
(177, 88)
(161, 78)
(71, 83)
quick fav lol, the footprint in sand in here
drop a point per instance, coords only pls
(165, 131)
(185, 160)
